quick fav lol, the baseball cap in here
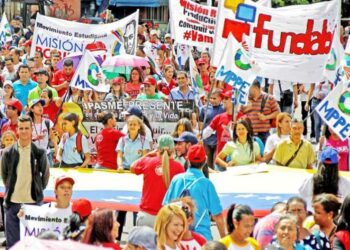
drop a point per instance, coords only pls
(15, 103)
(329, 155)
(201, 61)
(196, 153)
(167, 35)
(7, 82)
(143, 237)
(165, 141)
(187, 137)
(63, 178)
(117, 81)
(36, 101)
(41, 71)
(226, 94)
(133, 110)
(150, 80)
(153, 32)
(82, 207)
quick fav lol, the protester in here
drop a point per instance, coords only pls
(261, 109)
(170, 227)
(342, 236)
(117, 90)
(24, 85)
(9, 72)
(51, 106)
(240, 223)
(106, 142)
(81, 209)
(102, 229)
(295, 152)
(183, 91)
(166, 86)
(73, 148)
(242, 150)
(61, 79)
(183, 125)
(143, 238)
(26, 166)
(133, 145)
(13, 111)
(133, 87)
(202, 192)
(285, 93)
(43, 80)
(158, 168)
(7, 95)
(151, 91)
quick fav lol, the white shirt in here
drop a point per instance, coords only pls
(272, 142)
(41, 129)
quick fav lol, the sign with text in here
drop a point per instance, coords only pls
(38, 219)
(72, 37)
(192, 23)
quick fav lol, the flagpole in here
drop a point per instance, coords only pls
(206, 109)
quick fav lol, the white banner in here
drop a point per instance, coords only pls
(37, 219)
(335, 109)
(89, 75)
(70, 37)
(290, 43)
(192, 24)
(236, 69)
(5, 30)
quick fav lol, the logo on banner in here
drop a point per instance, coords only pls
(329, 65)
(309, 43)
(344, 103)
(238, 60)
(93, 74)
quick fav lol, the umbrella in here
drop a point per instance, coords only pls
(37, 244)
(122, 64)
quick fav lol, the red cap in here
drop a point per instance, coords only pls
(118, 80)
(27, 43)
(226, 94)
(201, 61)
(150, 80)
(196, 153)
(63, 178)
(15, 103)
(82, 207)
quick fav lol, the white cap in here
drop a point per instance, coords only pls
(153, 32)
(167, 35)
(7, 82)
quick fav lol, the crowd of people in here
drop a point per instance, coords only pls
(179, 201)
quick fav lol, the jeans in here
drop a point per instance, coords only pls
(12, 223)
(317, 119)
(210, 150)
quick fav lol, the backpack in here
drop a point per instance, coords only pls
(78, 144)
(187, 189)
(142, 141)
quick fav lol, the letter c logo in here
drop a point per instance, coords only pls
(238, 61)
(92, 74)
(344, 103)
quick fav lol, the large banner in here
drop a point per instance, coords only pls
(192, 23)
(236, 69)
(335, 109)
(37, 219)
(290, 43)
(72, 37)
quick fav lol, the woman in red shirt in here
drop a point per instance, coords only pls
(106, 142)
(133, 88)
(170, 83)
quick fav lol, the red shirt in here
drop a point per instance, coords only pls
(164, 89)
(51, 111)
(153, 190)
(111, 245)
(195, 243)
(133, 89)
(60, 77)
(221, 124)
(106, 143)
(9, 126)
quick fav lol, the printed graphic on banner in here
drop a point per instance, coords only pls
(335, 110)
(290, 43)
(236, 69)
(72, 37)
(192, 23)
(5, 30)
(226, 15)
(37, 219)
(196, 79)
(89, 76)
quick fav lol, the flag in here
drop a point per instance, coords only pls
(5, 30)
(196, 79)
(236, 68)
(89, 75)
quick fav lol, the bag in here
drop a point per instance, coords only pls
(263, 102)
(186, 191)
(78, 144)
(295, 154)
(286, 96)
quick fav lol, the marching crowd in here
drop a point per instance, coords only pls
(179, 202)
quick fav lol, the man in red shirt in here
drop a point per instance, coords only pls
(13, 111)
(61, 79)
(221, 124)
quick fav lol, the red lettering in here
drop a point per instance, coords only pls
(236, 28)
(213, 13)
(259, 30)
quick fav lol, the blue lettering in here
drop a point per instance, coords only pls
(29, 233)
(56, 43)
(344, 132)
(341, 121)
(82, 83)
(328, 111)
(42, 42)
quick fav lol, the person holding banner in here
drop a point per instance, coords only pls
(25, 173)
(106, 142)
(158, 168)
